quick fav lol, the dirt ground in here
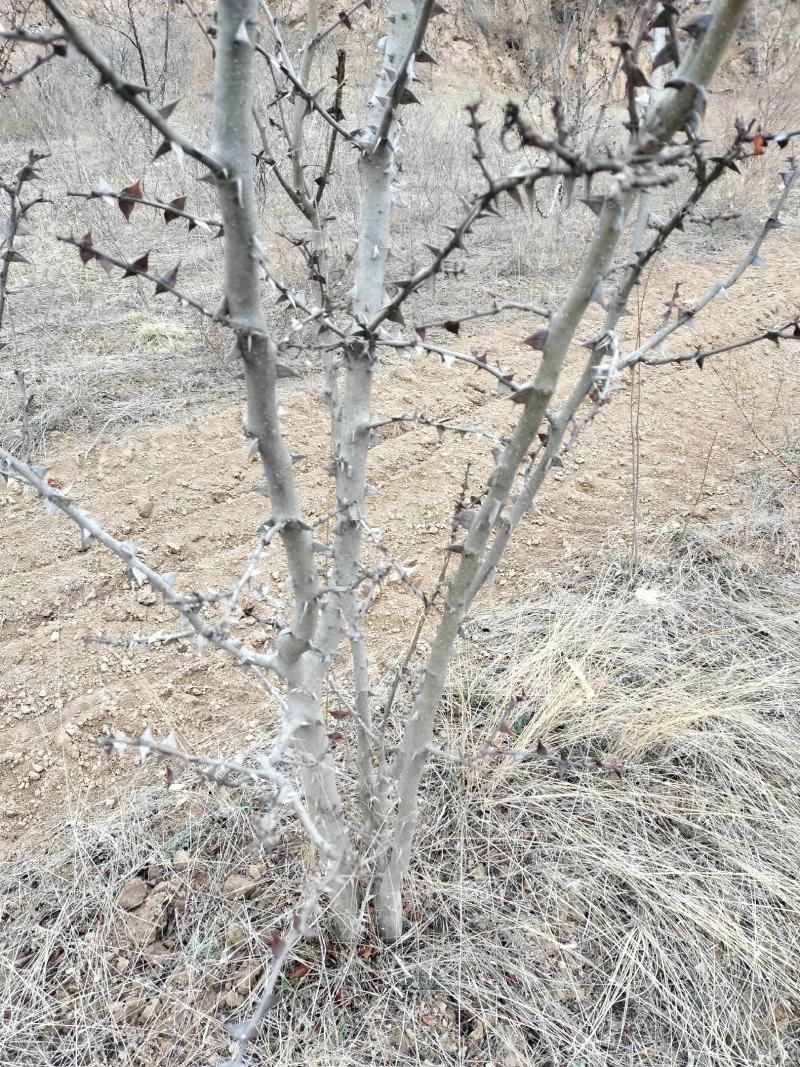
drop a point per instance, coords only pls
(699, 433)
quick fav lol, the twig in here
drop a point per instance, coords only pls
(127, 551)
(691, 511)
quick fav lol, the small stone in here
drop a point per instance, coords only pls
(155, 950)
(140, 931)
(247, 976)
(181, 860)
(133, 894)
(235, 935)
(400, 1040)
(233, 999)
(155, 873)
(125, 1010)
(148, 1011)
(144, 505)
(512, 1058)
(238, 887)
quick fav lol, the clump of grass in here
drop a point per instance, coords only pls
(157, 333)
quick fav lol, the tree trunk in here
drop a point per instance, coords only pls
(233, 94)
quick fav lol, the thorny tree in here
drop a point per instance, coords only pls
(365, 841)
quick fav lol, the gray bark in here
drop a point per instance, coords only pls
(233, 93)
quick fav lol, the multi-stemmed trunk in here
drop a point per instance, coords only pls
(326, 612)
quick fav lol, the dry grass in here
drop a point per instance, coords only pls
(73, 329)
(584, 920)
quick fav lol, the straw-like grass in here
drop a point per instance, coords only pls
(573, 919)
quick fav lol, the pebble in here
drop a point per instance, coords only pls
(181, 860)
(235, 935)
(133, 894)
(238, 887)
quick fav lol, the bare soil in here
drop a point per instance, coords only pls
(699, 433)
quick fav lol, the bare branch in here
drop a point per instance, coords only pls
(170, 210)
(130, 93)
(220, 769)
(163, 283)
(719, 288)
(58, 500)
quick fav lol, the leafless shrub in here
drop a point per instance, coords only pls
(354, 781)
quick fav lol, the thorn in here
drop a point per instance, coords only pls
(166, 109)
(594, 203)
(180, 203)
(697, 26)
(537, 340)
(167, 281)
